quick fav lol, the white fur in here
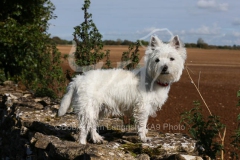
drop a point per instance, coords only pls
(100, 93)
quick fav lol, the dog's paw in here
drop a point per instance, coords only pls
(145, 139)
(148, 139)
(98, 139)
(83, 141)
(146, 131)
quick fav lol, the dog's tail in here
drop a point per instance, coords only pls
(66, 100)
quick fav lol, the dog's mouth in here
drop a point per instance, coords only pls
(164, 72)
(162, 84)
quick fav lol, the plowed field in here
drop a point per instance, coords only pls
(218, 74)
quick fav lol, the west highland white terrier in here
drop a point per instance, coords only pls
(142, 92)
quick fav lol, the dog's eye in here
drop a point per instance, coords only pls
(157, 60)
(172, 59)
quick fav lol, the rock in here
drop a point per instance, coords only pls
(71, 150)
(143, 157)
(111, 124)
(55, 106)
(29, 127)
(44, 101)
(27, 95)
(42, 141)
(8, 83)
(185, 157)
(23, 131)
(11, 96)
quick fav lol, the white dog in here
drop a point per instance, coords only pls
(100, 93)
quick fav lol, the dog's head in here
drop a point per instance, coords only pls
(165, 62)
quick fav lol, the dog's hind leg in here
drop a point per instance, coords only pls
(84, 129)
(94, 135)
(88, 118)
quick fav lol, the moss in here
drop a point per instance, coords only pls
(56, 117)
(133, 149)
(47, 119)
(152, 152)
(136, 149)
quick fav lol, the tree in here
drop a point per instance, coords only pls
(118, 42)
(89, 41)
(60, 41)
(27, 53)
(201, 43)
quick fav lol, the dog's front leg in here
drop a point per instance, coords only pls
(141, 120)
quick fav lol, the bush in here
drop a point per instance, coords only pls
(130, 58)
(236, 137)
(45, 92)
(205, 131)
(27, 53)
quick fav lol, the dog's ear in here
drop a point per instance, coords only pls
(175, 42)
(155, 42)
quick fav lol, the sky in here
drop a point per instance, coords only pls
(217, 22)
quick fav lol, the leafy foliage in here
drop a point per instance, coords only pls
(45, 92)
(238, 95)
(108, 63)
(27, 53)
(123, 42)
(204, 130)
(236, 137)
(130, 58)
(88, 40)
(235, 143)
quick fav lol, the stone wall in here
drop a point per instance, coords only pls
(30, 129)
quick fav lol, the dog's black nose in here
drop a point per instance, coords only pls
(165, 68)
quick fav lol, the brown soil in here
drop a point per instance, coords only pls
(219, 82)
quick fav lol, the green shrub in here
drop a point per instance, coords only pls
(238, 95)
(108, 63)
(130, 58)
(236, 137)
(204, 130)
(89, 42)
(45, 92)
(27, 53)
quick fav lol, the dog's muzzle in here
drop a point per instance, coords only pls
(165, 70)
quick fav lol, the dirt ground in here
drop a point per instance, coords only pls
(219, 72)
